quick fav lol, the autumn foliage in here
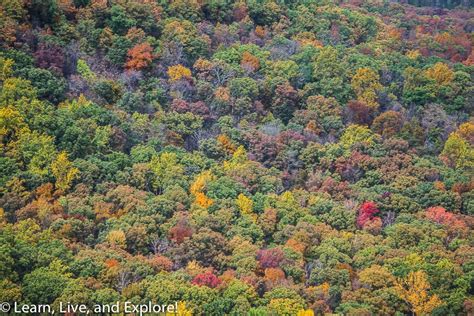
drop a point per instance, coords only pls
(270, 258)
(178, 72)
(139, 57)
(251, 158)
(366, 85)
(249, 62)
(367, 212)
(414, 290)
(206, 279)
(180, 232)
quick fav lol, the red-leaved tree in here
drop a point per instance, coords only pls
(208, 279)
(367, 213)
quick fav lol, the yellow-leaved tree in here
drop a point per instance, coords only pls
(414, 290)
(245, 205)
(354, 134)
(305, 312)
(197, 189)
(441, 73)
(166, 170)
(11, 122)
(366, 85)
(182, 310)
(64, 172)
(413, 54)
(117, 238)
(178, 72)
(6, 65)
(2, 217)
(239, 158)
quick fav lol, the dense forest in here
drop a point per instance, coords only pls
(257, 158)
(441, 3)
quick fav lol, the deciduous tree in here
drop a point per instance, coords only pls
(63, 171)
(366, 85)
(140, 57)
(414, 289)
(178, 72)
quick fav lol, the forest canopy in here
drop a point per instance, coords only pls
(239, 157)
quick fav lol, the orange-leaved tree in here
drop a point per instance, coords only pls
(139, 57)
(198, 187)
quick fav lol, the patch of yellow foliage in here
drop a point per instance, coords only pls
(366, 85)
(178, 72)
(245, 204)
(63, 171)
(305, 312)
(117, 238)
(441, 73)
(198, 187)
(182, 310)
(413, 54)
(226, 143)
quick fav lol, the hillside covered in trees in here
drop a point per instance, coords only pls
(238, 157)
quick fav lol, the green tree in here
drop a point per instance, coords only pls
(44, 285)
(166, 170)
(243, 87)
(329, 74)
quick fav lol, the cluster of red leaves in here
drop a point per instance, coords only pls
(199, 108)
(367, 213)
(208, 279)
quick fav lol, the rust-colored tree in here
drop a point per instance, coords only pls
(367, 213)
(180, 231)
(139, 57)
